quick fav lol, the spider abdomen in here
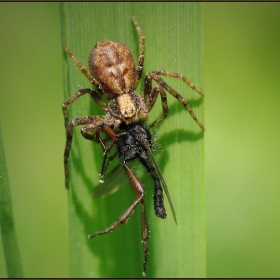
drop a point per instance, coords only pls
(112, 65)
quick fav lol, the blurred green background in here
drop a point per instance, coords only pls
(242, 82)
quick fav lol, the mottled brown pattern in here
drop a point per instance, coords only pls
(112, 65)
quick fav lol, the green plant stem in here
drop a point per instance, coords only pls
(10, 245)
(173, 34)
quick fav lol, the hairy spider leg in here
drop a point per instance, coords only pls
(154, 75)
(101, 104)
(150, 99)
(177, 76)
(92, 124)
(82, 68)
(141, 53)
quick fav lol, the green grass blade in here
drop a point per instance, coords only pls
(174, 42)
(10, 245)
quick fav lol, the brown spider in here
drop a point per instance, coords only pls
(113, 73)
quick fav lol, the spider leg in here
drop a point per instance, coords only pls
(82, 68)
(155, 76)
(91, 123)
(97, 128)
(139, 192)
(178, 76)
(101, 104)
(150, 96)
(141, 53)
(97, 138)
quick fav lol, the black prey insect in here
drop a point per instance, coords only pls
(113, 73)
(135, 141)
